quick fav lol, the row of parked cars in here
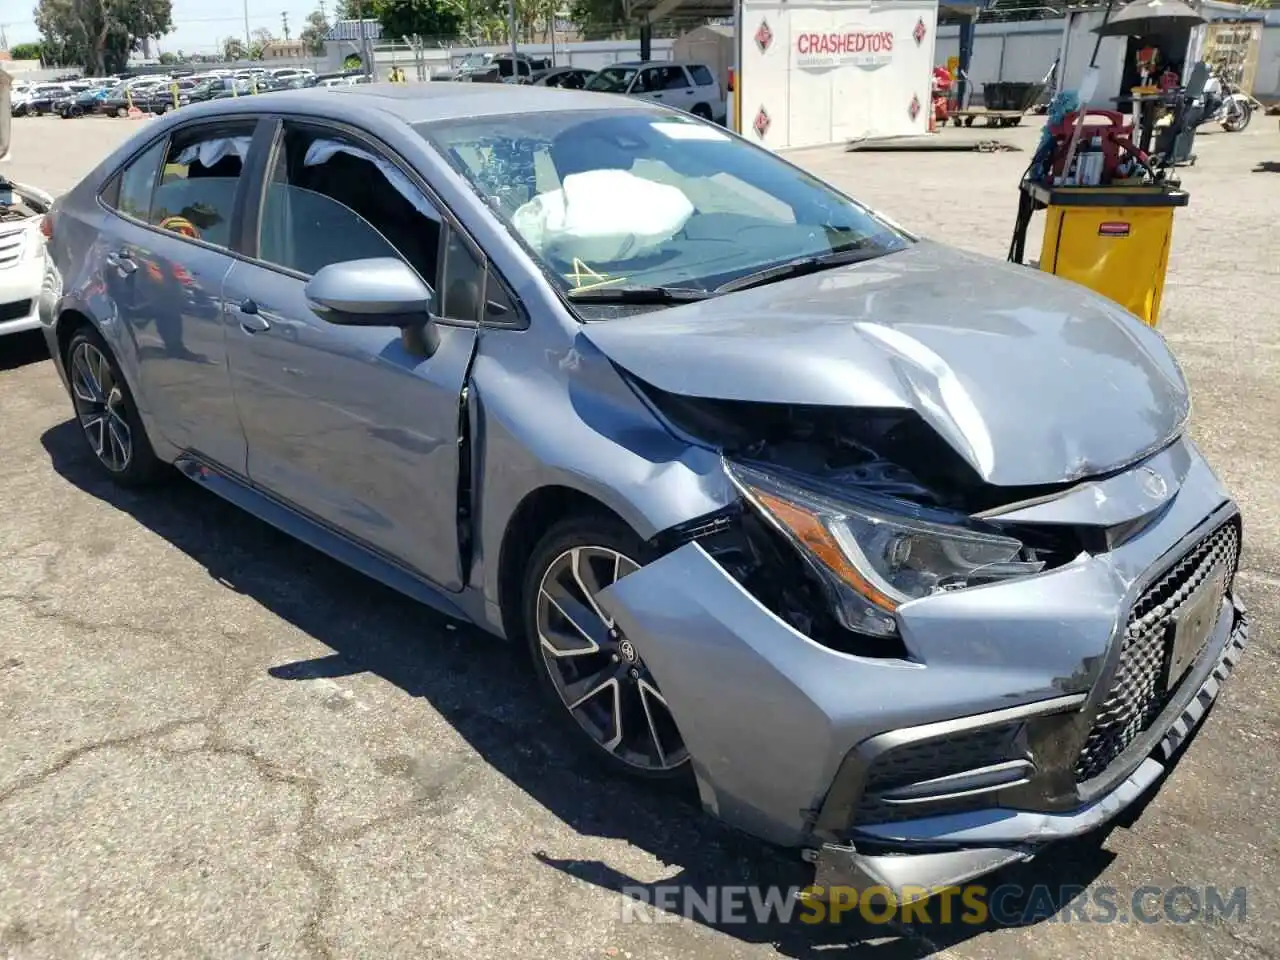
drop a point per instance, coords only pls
(692, 87)
(114, 96)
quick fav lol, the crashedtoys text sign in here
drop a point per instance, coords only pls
(862, 48)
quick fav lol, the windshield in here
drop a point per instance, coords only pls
(612, 79)
(650, 198)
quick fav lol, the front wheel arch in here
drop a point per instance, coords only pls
(537, 513)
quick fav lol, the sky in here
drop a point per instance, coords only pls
(201, 25)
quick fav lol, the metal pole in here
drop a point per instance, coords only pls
(511, 16)
(554, 17)
(1097, 44)
(365, 59)
(246, 28)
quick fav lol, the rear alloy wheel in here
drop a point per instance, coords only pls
(107, 414)
(596, 673)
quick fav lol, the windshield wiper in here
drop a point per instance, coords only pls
(798, 268)
(638, 295)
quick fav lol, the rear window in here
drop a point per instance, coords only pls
(701, 75)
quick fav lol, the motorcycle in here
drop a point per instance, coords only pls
(1220, 104)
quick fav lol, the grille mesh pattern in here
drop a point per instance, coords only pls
(11, 243)
(928, 760)
(1137, 693)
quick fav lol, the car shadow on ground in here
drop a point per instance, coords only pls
(1267, 166)
(482, 687)
(22, 349)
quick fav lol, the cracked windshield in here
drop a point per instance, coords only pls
(651, 207)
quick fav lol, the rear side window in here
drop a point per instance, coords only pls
(138, 181)
(701, 75)
(198, 182)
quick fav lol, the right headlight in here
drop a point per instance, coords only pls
(874, 554)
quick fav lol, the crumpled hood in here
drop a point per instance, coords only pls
(1033, 380)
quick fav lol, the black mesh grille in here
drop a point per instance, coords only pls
(928, 760)
(1137, 693)
(12, 311)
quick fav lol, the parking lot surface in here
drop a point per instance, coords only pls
(215, 742)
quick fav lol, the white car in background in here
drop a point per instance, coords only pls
(691, 87)
(22, 244)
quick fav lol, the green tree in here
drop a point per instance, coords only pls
(233, 48)
(168, 59)
(27, 51)
(598, 19)
(313, 32)
(99, 35)
(416, 18)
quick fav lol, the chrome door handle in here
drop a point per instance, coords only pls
(251, 321)
(122, 262)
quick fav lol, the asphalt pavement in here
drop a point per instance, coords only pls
(215, 742)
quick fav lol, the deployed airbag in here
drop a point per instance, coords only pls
(603, 216)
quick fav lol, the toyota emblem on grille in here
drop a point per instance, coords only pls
(1153, 485)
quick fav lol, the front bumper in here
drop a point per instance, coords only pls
(20, 295)
(1008, 684)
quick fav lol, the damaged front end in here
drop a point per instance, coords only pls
(816, 482)
(914, 674)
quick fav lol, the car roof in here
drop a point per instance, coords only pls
(422, 102)
(652, 63)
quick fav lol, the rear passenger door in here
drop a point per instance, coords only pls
(355, 427)
(166, 254)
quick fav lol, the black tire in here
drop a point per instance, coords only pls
(122, 112)
(701, 110)
(592, 535)
(1239, 118)
(139, 466)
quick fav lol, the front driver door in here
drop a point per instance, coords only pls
(352, 425)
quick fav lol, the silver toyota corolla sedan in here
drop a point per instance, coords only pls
(903, 555)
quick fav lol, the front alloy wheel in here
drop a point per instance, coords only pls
(599, 675)
(99, 401)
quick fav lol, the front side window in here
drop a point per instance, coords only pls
(651, 81)
(331, 199)
(612, 80)
(198, 182)
(673, 78)
(649, 198)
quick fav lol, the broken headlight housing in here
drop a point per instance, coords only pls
(872, 553)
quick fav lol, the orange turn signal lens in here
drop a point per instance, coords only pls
(813, 533)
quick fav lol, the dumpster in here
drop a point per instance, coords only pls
(995, 95)
(1113, 240)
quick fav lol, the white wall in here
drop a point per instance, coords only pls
(835, 70)
(1024, 51)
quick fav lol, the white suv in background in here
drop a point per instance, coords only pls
(691, 87)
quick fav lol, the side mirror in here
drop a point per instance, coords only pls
(381, 292)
